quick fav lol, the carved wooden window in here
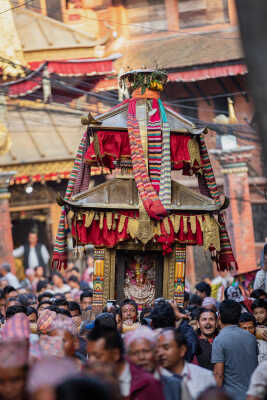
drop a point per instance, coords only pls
(196, 13)
(146, 16)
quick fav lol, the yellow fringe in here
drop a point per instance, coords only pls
(132, 228)
(109, 220)
(89, 216)
(185, 223)
(211, 235)
(121, 223)
(193, 149)
(70, 214)
(166, 225)
(193, 223)
(201, 223)
(177, 219)
(101, 220)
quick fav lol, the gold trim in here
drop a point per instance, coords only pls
(4, 196)
(168, 276)
(112, 280)
(41, 168)
(106, 289)
(171, 273)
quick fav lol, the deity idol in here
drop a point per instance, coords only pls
(140, 281)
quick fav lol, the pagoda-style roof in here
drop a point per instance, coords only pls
(182, 51)
(116, 119)
(122, 194)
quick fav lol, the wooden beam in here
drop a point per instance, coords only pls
(239, 87)
(222, 85)
(202, 93)
(188, 90)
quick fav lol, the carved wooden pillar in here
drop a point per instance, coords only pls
(179, 273)
(98, 284)
(104, 278)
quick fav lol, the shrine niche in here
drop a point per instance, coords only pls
(141, 220)
(138, 276)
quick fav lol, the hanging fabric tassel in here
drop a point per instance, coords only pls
(208, 174)
(78, 181)
(165, 173)
(154, 145)
(148, 195)
(226, 259)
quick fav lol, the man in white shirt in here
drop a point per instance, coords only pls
(12, 280)
(171, 350)
(34, 254)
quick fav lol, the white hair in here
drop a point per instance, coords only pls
(144, 332)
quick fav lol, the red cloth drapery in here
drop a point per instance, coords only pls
(179, 150)
(111, 237)
(109, 146)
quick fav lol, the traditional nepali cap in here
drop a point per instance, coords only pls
(209, 301)
(45, 320)
(144, 332)
(63, 323)
(51, 346)
(14, 353)
(234, 293)
(16, 328)
(34, 352)
(50, 371)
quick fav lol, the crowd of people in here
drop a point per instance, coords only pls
(53, 346)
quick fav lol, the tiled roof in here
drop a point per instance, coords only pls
(182, 51)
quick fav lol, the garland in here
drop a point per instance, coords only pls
(146, 80)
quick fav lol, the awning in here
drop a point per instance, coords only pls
(25, 87)
(207, 73)
(67, 68)
(84, 67)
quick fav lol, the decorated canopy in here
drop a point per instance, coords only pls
(144, 140)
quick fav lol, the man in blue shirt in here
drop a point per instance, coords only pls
(234, 352)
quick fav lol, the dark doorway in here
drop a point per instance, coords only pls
(23, 222)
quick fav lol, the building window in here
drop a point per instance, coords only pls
(196, 13)
(259, 213)
(146, 16)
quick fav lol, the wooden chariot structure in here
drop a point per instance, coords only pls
(141, 220)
